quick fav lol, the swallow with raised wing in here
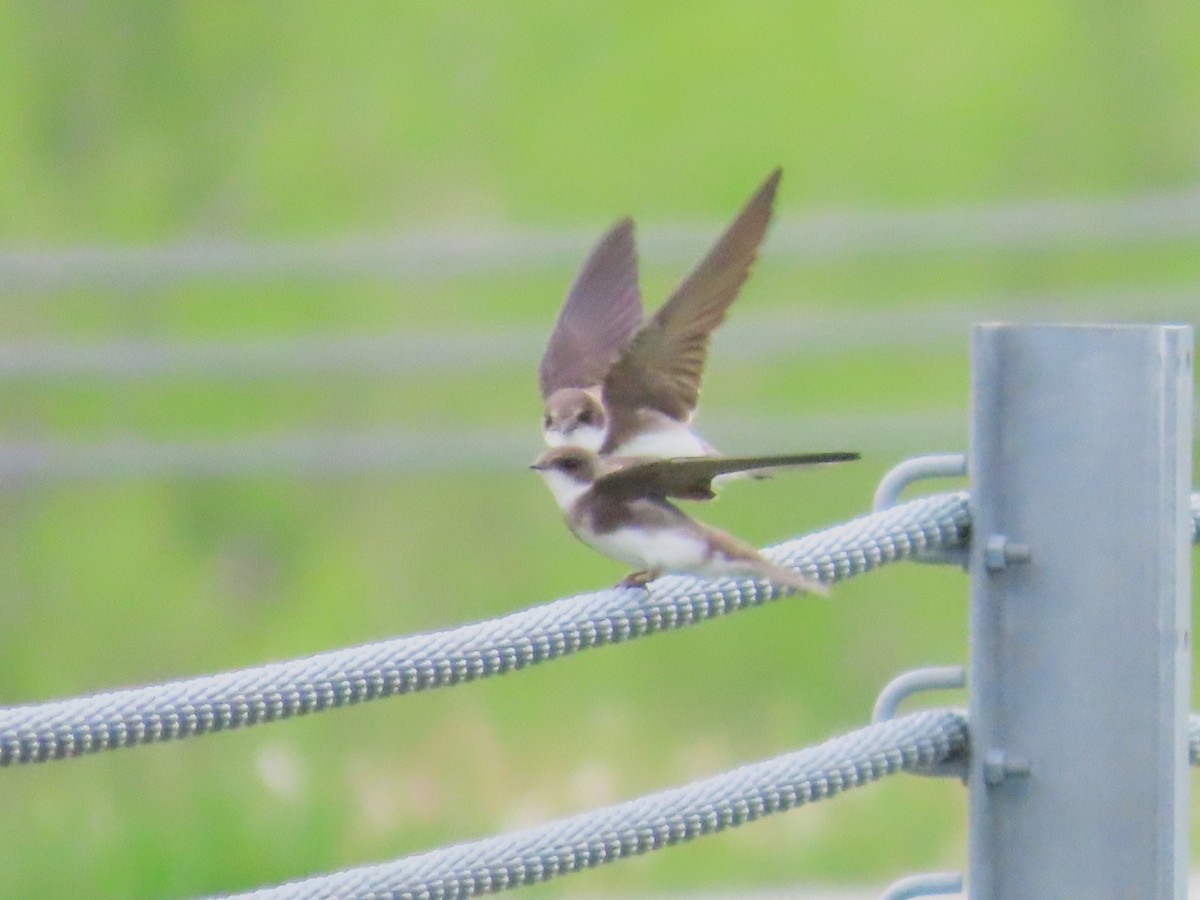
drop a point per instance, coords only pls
(619, 506)
(621, 386)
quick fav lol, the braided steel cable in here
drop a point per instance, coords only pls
(915, 743)
(143, 715)
(703, 807)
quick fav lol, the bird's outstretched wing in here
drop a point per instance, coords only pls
(690, 478)
(662, 365)
(602, 311)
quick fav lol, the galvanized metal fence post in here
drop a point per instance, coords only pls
(1080, 565)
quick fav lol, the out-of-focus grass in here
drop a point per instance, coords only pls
(126, 124)
(245, 572)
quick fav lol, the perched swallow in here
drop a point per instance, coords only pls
(602, 313)
(619, 506)
(621, 386)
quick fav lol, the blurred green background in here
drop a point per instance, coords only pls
(260, 181)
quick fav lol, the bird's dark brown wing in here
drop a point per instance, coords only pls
(662, 366)
(602, 311)
(690, 478)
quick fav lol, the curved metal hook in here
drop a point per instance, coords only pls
(919, 468)
(936, 465)
(933, 678)
(927, 885)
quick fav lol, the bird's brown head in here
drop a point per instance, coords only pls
(569, 472)
(574, 416)
(573, 463)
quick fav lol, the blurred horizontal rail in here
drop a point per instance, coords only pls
(406, 450)
(397, 450)
(1017, 226)
(750, 338)
(402, 451)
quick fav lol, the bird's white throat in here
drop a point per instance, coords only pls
(587, 436)
(566, 490)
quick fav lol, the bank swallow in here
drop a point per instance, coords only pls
(621, 386)
(620, 507)
(602, 313)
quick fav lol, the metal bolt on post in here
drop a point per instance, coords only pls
(1080, 565)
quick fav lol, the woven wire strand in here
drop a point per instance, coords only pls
(143, 715)
(649, 823)
(68, 728)
(918, 742)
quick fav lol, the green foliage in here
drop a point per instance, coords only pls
(127, 123)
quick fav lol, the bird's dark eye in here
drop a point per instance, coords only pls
(585, 417)
(569, 465)
(546, 421)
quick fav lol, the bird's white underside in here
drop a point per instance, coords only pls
(662, 550)
(676, 439)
